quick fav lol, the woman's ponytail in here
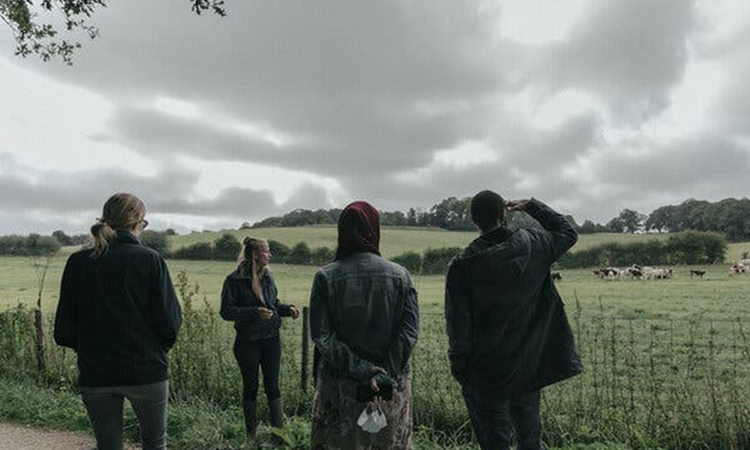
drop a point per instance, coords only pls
(103, 235)
(122, 211)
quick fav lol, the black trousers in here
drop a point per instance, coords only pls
(491, 417)
(263, 353)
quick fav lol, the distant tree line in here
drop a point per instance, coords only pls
(31, 245)
(687, 247)
(729, 216)
(227, 248)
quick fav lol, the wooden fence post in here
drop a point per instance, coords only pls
(305, 348)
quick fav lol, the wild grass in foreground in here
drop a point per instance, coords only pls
(193, 425)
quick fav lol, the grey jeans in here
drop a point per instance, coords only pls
(104, 406)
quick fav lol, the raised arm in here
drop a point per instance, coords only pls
(560, 235)
(333, 351)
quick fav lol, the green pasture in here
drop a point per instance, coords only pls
(717, 296)
(665, 359)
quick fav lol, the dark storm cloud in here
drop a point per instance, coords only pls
(628, 53)
(65, 193)
(369, 93)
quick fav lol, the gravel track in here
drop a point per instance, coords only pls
(22, 437)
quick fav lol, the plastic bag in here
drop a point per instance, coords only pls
(372, 419)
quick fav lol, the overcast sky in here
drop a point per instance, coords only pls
(591, 106)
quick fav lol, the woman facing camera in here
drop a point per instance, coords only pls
(119, 312)
(364, 320)
(249, 299)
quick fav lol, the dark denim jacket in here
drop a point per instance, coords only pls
(240, 305)
(363, 313)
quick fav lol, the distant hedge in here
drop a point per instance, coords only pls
(687, 247)
(31, 245)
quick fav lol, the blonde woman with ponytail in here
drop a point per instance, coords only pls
(119, 312)
(250, 300)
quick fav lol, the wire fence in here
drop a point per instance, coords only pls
(648, 382)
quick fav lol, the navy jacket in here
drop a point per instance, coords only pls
(120, 313)
(240, 305)
(506, 324)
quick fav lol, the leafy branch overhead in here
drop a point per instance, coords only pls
(35, 24)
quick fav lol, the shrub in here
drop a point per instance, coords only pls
(227, 247)
(435, 260)
(321, 256)
(156, 240)
(300, 254)
(279, 251)
(31, 245)
(412, 261)
(198, 251)
(37, 245)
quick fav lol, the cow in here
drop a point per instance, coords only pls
(557, 276)
(656, 273)
(697, 273)
(737, 269)
(635, 271)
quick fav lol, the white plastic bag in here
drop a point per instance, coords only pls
(372, 418)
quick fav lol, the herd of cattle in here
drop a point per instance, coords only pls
(637, 272)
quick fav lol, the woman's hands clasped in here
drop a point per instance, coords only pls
(267, 313)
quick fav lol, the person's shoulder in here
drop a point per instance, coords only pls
(234, 275)
(80, 257)
(397, 268)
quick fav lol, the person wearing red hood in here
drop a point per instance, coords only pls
(364, 321)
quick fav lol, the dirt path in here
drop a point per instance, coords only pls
(21, 437)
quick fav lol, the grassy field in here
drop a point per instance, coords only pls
(716, 296)
(663, 357)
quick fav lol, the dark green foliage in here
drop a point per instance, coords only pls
(690, 247)
(412, 261)
(321, 256)
(435, 260)
(62, 238)
(278, 250)
(33, 36)
(227, 248)
(628, 221)
(198, 251)
(729, 216)
(31, 245)
(170, 232)
(156, 240)
(299, 254)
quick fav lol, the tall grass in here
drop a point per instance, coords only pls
(649, 383)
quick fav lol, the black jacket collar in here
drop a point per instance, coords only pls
(126, 237)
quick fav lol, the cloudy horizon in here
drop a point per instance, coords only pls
(592, 107)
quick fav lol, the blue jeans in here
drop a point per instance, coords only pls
(491, 416)
(149, 401)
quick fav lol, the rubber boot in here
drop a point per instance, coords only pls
(250, 409)
(276, 408)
